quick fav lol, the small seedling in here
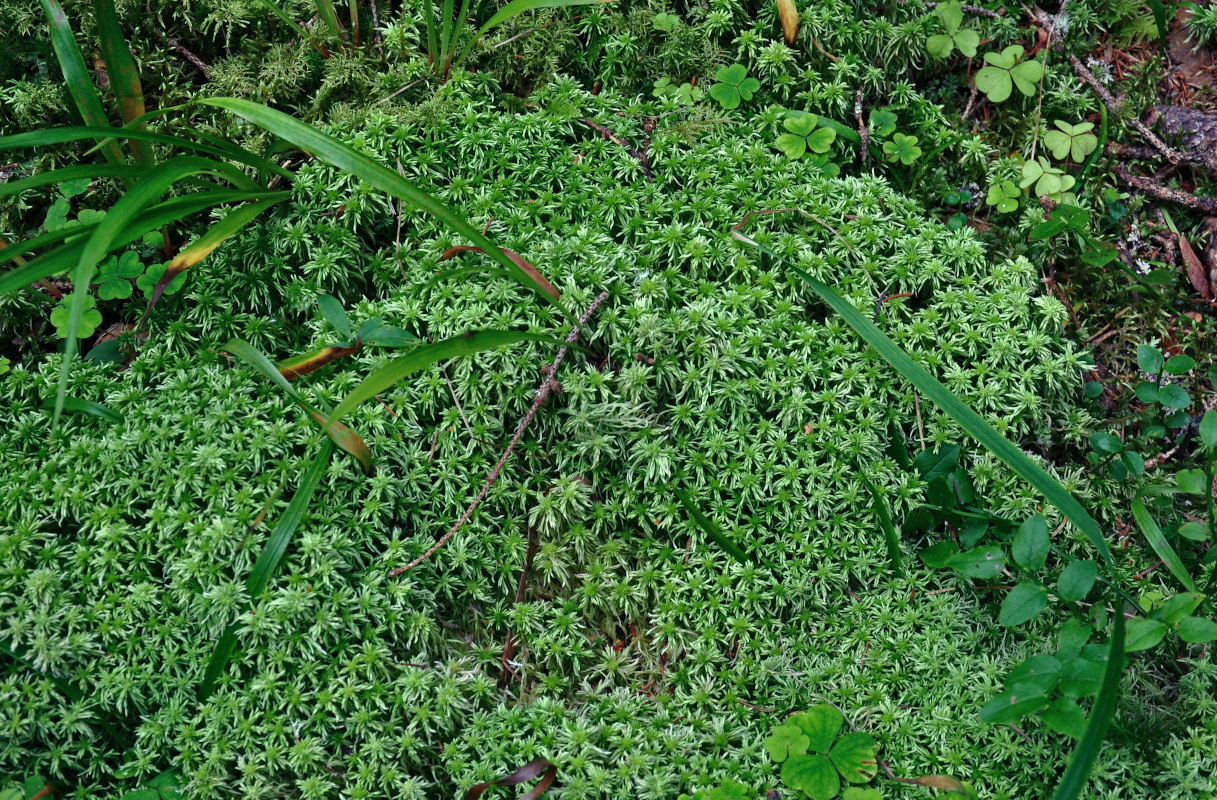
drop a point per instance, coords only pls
(1049, 181)
(665, 22)
(902, 148)
(1071, 141)
(804, 135)
(734, 86)
(1005, 196)
(684, 94)
(88, 322)
(953, 37)
(1005, 71)
(815, 760)
(958, 197)
(115, 274)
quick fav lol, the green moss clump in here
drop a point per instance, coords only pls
(642, 652)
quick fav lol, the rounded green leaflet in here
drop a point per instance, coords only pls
(856, 757)
(727, 96)
(1042, 671)
(1022, 603)
(1071, 141)
(967, 40)
(902, 148)
(1196, 630)
(1076, 580)
(88, 321)
(793, 145)
(1065, 716)
(812, 774)
(733, 74)
(1208, 429)
(821, 723)
(1173, 396)
(1192, 481)
(861, 793)
(1180, 365)
(1013, 704)
(821, 140)
(1031, 543)
(786, 740)
(939, 46)
(983, 562)
(1144, 633)
(146, 283)
(1149, 359)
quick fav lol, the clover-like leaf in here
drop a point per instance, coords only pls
(1004, 195)
(1004, 71)
(734, 86)
(812, 774)
(1071, 141)
(882, 123)
(146, 283)
(665, 22)
(821, 723)
(856, 757)
(786, 740)
(902, 148)
(730, 790)
(804, 136)
(88, 322)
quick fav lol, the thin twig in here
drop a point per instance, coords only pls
(457, 400)
(533, 30)
(1113, 108)
(1206, 204)
(984, 12)
(863, 131)
(547, 386)
(509, 644)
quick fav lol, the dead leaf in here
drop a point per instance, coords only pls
(789, 14)
(1196, 272)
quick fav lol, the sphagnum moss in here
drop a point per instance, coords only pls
(642, 653)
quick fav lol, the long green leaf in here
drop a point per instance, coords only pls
(1076, 774)
(71, 173)
(337, 154)
(432, 47)
(326, 9)
(890, 537)
(124, 77)
(342, 436)
(64, 257)
(1157, 540)
(73, 133)
(287, 20)
(76, 75)
(711, 530)
(514, 9)
(267, 561)
(142, 194)
(422, 357)
(969, 420)
(87, 407)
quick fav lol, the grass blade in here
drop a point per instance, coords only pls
(969, 420)
(71, 173)
(200, 248)
(890, 537)
(711, 530)
(514, 9)
(307, 363)
(1159, 11)
(335, 153)
(76, 75)
(287, 20)
(87, 407)
(72, 133)
(1157, 540)
(429, 15)
(124, 77)
(268, 560)
(422, 357)
(326, 9)
(1074, 780)
(342, 436)
(142, 194)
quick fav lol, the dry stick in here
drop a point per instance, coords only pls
(643, 156)
(397, 238)
(457, 400)
(1113, 108)
(1039, 106)
(1206, 204)
(509, 645)
(547, 386)
(984, 12)
(863, 131)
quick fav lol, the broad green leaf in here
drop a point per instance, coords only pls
(983, 563)
(950, 13)
(786, 740)
(1157, 540)
(1065, 716)
(1042, 671)
(337, 154)
(1082, 676)
(426, 355)
(967, 40)
(268, 560)
(1013, 704)
(1144, 633)
(1173, 396)
(861, 793)
(1177, 607)
(933, 464)
(1076, 580)
(1208, 430)
(1196, 630)
(1180, 365)
(821, 723)
(1031, 543)
(856, 757)
(1022, 603)
(1149, 359)
(939, 555)
(1192, 481)
(727, 96)
(812, 774)
(939, 45)
(1073, 637)
(801, 124)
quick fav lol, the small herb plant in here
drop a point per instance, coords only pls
(902, 149)
(665, 22)
(734, 86)
(804, 135)
(1071, 141)
(815, 760)
(1004, 196)
(686, 94)
(953, 36)
(1048, 181)
(1006, 71)
(959, 198)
